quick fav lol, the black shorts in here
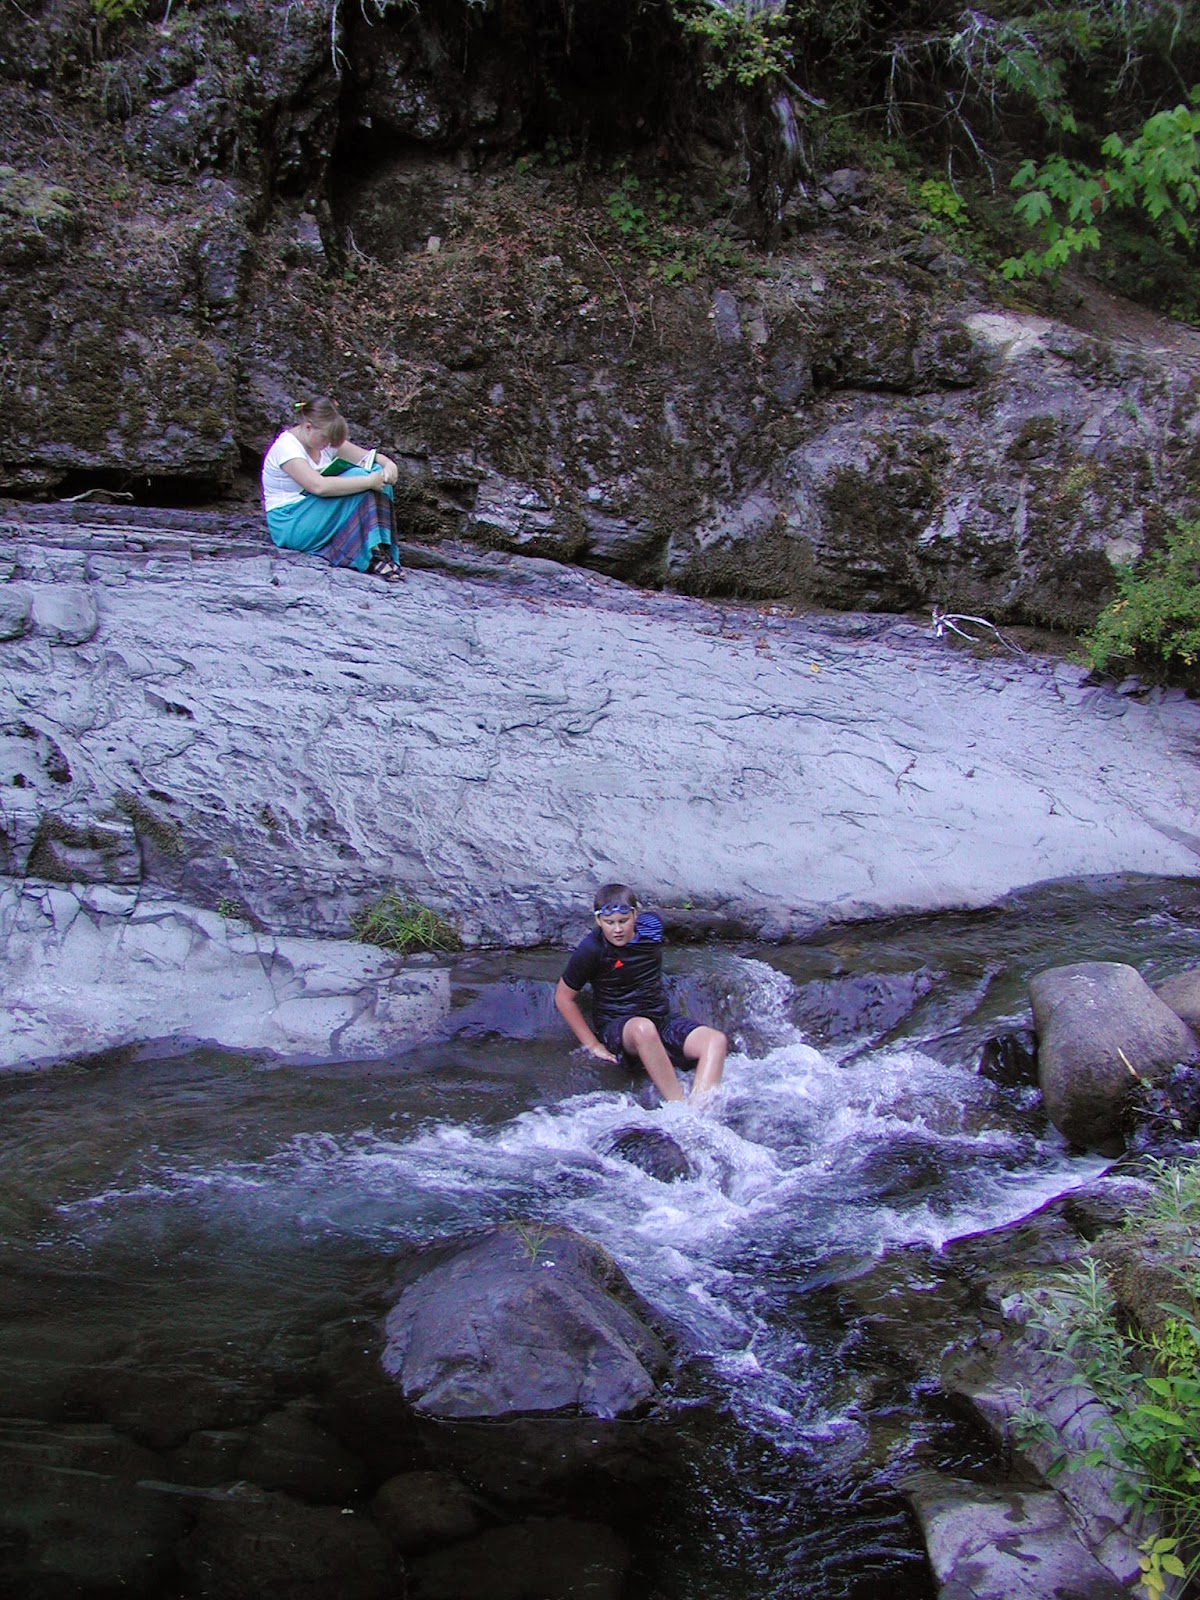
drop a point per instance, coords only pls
(672, 1032)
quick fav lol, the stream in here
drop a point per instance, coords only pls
(193, 1243)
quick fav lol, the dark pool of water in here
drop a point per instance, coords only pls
(198, 1251)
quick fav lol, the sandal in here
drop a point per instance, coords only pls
(386, 569)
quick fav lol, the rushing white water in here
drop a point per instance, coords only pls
(795, 1160)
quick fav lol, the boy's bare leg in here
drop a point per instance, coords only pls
(640, 1037)
(706, 1047)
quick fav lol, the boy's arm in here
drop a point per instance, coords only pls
(566, 1003)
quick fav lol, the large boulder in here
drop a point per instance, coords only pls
(527, 1320)
(1101, 1030)
(1182, 994)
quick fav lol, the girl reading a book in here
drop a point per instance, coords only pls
(330, 497)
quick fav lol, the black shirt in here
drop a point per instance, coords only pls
(626, 979)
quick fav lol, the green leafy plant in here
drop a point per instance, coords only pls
(942, 202)
(1155, 618)
(404, 925)
(650, 223)
(122, 10)
(743, 46)
(1149, 1383)
(1157, 173)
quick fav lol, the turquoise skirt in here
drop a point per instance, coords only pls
(345, 529)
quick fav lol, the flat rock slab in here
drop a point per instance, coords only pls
(96, 968)
(299, 739)
(1004, 1544)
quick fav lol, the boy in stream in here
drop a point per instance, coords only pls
(622, 960)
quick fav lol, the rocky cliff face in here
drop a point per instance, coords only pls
(205, 216)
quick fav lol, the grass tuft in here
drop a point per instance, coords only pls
(403, 925)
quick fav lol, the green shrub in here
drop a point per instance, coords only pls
(651, 225)
(1156, 174)
(1149, 1383)
(941, 202)
(1155, 619)
(402, 925)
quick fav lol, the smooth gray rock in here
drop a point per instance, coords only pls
(90, 969)
(1182, 994)
(1100, 1028)
(525, 1321)
(299, 740)
(1004, 1544)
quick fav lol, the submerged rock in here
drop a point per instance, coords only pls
(419, 1509)
(556, 1556)
(1101, 1030)
(527, 1320)
(867, 1004)
(252, 1546)
(72, 1524)
(655, 1152)
(289, 1450)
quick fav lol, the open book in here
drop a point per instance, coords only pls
(339, 465)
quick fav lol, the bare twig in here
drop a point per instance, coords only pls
(947, 621)
(628, 306)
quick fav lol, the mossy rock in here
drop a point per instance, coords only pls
(36, 217)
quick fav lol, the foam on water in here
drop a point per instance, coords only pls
(794, 1159)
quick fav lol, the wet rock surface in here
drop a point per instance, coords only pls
(1007, 1530)
(1182, 993)
(655, 1152)
(1011, 1544)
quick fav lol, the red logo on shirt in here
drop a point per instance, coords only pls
(617, 964)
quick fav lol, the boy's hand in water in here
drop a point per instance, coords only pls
(601, 1054)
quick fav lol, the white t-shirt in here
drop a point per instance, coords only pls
(278, 489)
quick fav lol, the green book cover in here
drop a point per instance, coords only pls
(339, 465)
